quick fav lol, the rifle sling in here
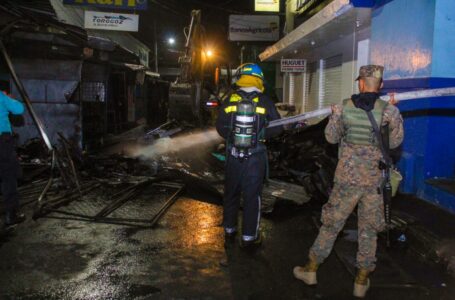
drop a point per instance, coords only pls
(377, 133)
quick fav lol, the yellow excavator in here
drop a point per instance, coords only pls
(194, 95)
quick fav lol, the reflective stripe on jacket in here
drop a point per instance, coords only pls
(235, 98)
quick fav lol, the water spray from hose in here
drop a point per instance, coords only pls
(192, 143)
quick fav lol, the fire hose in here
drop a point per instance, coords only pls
(430, 93)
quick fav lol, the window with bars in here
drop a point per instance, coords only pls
(93, 91)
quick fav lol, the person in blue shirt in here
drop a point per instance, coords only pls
(9, 164)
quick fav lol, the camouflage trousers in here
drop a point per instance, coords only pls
(335, 212)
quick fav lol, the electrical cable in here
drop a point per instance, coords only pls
(217, 18)
(169, 9)
(227, 3)
(231, 11)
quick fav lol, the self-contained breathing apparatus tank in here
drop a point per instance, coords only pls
(244, 133)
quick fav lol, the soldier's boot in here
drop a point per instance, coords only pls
(307, 273)
(362, 283)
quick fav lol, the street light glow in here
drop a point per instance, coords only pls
(171, 41)
(209, 53)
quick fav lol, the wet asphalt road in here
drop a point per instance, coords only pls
(183, 258)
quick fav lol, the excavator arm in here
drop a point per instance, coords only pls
(185, 94)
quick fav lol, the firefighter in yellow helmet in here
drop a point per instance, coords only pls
(242, 123)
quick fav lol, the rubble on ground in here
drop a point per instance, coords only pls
(301, 169)
(303, 156)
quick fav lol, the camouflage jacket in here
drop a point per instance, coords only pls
(358, 165)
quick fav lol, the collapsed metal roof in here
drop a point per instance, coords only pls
(36, 16)
(52, 17)
(74, 15)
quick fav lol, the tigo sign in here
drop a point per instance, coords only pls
(111, 21)
(122, 4)
(254, 28)
(293, 65)
(267, 5)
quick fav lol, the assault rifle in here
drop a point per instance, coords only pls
(385, 165)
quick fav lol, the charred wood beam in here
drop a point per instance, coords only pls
(48, 184)
(71, 163)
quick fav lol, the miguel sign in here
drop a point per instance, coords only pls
(293, 65)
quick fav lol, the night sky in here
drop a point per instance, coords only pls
(173, 15)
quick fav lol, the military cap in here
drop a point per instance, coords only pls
(374, 71)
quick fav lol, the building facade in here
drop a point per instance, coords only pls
(83, 83)
(414, 40)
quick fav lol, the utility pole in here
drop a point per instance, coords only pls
(156, 46)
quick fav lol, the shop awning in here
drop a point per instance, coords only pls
(340, 17)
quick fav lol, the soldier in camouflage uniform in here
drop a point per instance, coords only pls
(357, 177)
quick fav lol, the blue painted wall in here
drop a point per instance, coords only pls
(413, 150)
(415, 41)
(444, 40)
(402, 38)
(363, 3)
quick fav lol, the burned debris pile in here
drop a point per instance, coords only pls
(114, 186)
(303, 157)
(70, 184)
(301, 169)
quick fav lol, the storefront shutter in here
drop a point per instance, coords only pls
(312, 85)
(331, 81)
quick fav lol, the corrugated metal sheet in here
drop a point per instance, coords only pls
(39, 6)
(50, 82)
(25, 15)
